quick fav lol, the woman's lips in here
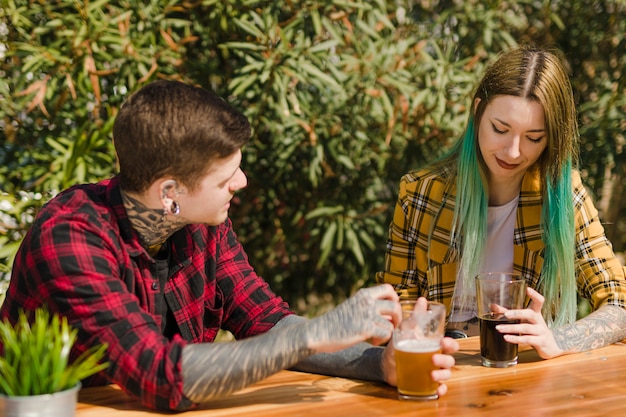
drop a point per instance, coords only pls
(506, 165)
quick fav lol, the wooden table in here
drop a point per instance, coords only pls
(585, 384)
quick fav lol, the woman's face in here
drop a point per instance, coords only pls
(511, 138)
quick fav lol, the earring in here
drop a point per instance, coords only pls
(175, 208)
(170, 207)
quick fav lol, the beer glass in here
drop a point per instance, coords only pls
(497, 292)
(416, 340)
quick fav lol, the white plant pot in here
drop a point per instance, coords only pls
(59, 404)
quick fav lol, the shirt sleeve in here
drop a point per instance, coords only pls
(601, 277)
(72, 264)
(416, 240)
(400, 256)
(250, 306)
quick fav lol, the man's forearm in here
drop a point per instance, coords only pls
(362, 361)
(212, 370)
(602, 327)
(216, 369)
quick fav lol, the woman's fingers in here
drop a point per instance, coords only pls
(536, 300)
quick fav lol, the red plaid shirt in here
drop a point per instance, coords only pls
(83, 260)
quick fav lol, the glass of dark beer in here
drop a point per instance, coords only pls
(497, 292)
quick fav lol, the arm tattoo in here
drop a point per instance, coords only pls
(362, 361)
(601, 328)
(211, 370)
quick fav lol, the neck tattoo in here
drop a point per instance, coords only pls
(153, 227)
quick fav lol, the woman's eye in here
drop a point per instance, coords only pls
(495, 129)
(535, 140)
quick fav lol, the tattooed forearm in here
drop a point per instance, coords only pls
(362, 361)
(602, 327)
(215, 369)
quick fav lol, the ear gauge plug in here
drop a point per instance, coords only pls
(170, 206)
(175, 208)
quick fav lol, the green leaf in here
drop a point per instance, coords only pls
(315, 72)
(323, 212)
(323, 46)
(37, 356)
(326, 243)
(355, 247)
(9, 249)
(250, 28)
(243, 45)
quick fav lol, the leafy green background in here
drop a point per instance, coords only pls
(343, 97)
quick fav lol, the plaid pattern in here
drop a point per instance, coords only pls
(83, 259)
(421, 259)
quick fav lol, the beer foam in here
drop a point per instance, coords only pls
(418, 346)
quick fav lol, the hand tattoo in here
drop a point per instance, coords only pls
(357, 319)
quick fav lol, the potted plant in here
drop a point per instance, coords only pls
(37, 378)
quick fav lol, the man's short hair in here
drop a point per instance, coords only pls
(168, 128)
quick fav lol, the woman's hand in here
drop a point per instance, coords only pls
(532, 329)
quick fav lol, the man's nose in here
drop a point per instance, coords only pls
(241, 181)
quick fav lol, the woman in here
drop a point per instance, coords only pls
(506, 198)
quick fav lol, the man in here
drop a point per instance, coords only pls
(148, 263)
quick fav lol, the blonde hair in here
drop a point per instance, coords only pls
(538, 75)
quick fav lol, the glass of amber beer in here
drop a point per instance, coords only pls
(497, 292)
(416, 340)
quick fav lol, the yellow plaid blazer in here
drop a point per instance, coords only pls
(421, 260)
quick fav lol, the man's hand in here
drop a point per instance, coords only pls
(371, 314)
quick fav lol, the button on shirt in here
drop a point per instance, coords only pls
(84, 261)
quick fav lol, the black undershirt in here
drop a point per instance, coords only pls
(168, 323)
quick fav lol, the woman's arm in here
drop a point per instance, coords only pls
(603, 327)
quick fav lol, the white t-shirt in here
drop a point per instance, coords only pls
(498, 250)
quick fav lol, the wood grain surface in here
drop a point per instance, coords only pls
(586, 384)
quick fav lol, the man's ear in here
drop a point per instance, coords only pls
(168, 191)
